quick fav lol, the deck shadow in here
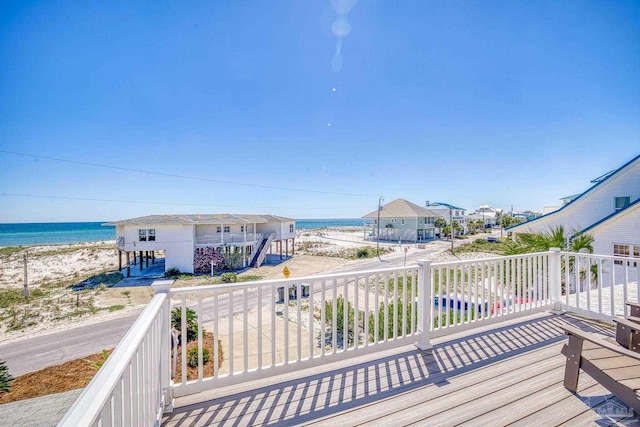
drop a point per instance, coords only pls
(313, 397)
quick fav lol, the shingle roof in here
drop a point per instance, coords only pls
(401, 208)
(195, 219)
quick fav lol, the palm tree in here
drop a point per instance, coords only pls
(440, 223)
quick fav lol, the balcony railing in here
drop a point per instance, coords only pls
(227, 238)
(270, 327)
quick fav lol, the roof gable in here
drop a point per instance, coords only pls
(401, 208)
(603, 180)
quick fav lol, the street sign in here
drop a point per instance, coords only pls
(286, 272)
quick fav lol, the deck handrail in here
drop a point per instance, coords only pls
(300, 322)
(133, 385)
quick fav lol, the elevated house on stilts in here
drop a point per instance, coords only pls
(180, 236)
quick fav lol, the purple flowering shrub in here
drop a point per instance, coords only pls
(202, 260)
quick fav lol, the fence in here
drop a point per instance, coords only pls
(133, 386)
(258, 329)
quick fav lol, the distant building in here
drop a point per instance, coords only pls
(179, 236)
(449, 212)
(490, 216)
(609, 211)
(401, 220)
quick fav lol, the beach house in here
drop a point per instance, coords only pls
(401, 220)
(180, 236)
(609, 211)
(449, 213)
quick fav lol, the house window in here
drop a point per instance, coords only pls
(290, 228)
(622, 202)
(620, 250)
(242, 228)
(375, 222)
(394, 220)
(420, 221)
(226, 229)
(152, 234)
(402, 221)
(218, 229)
(142, 235)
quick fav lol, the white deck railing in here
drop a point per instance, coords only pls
(133, 386)
(265, 328)
(599, 286)
(228, 239)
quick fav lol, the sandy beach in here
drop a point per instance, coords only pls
(53, 270)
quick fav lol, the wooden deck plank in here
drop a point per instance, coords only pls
(483, 375)
(441, 396)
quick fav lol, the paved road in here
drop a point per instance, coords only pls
(36, 353)
(52, 349)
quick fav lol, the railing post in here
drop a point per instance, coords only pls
(164, 287)
(554, 280)
(424, 305)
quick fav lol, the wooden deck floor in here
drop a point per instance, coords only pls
(500, 375)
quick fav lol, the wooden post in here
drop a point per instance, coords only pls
(128, 265)
(293, 246)
(146, 258)
(119, 260)
(153, 257)
(140, 260)
(286, 245)
(135, 259)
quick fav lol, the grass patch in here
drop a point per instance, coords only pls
(10, 297)
(115, 307)
(482, 245)
(8, 251)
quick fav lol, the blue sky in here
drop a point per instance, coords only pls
(310, 109)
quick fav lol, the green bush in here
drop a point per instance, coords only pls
(363, 253)
(340, 319)
(192, 357)
(5, 378)
(232, 261)
(229, 277)
(391, 333)
(192, 322)
(172, 272)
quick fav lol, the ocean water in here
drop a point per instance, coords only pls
(324, 223)
(55, 233)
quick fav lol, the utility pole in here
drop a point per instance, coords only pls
(378, 234)
(25, 289)
(452, 232)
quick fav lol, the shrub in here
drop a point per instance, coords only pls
(229, 277)
(192, 357)
(391, 308)
(172, 272)
(192, 322)
(203, 257)
(232, 261)
(5, 378)
(363, 253)
(340, 320)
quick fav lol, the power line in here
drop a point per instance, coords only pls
(171, 175)
(91, 199)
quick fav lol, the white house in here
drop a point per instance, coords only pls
(490, 216)
(449, 212)
(401, 220)
(609, 211)
(179, 236)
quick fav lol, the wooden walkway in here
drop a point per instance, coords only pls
(507, 374)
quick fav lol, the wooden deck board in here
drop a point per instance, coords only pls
(493, 376)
